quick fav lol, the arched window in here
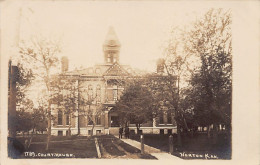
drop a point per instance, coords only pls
(59, 117)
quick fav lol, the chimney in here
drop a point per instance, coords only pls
(160, 65)
(64, 64)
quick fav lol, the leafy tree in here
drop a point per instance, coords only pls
(210, 41)
(24, 78)
(199, 56)
(136, 104)
(24, 116)
(39, 119)
(24, 121)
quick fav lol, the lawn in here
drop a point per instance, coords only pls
(112, 147)
(197, 147)
(77, 147)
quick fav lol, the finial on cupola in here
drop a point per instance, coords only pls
(111, 47)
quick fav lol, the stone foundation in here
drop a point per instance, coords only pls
(112, 130)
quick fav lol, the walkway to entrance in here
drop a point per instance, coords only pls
(160, 155)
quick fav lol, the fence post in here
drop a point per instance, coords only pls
(171, 144)
(142, 144)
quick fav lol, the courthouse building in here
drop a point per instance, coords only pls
(103, 84)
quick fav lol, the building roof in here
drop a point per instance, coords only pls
(111, 38)
(101, 70)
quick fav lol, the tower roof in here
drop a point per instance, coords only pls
(111, 38)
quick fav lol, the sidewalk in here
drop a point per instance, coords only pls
(151, 150)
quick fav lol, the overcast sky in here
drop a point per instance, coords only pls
(143, 28)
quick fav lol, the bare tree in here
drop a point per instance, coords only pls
(91, 110)
(41, 55)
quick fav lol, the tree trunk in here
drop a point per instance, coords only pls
(215, 134)
(49, 128)
(208, 131)
(69, 131)
(179, 135)
(137, 128)
(192, 132)
(78, 125)
(92, 130)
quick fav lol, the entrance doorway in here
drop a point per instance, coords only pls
(115, 121)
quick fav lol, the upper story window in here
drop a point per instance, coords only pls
(109, 58)
(90, 92)
(161, 118)
(59, 117)
(169, 118)
(98, 93)
(67, 119)
(98, 120)
(115, 93)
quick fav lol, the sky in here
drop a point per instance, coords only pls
(143, 28)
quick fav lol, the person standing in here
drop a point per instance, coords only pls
(127, 133)
(120, 132)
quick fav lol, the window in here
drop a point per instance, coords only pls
(161, 131)
(98, 93)
(109, 58)
(98, 132)
(98, 120)
(114, 121)
(115, 94)
(161, 118)
(90, 92)
(67, 119)
(60, 133)
(90, 122)
(59, 117)
(169, 118)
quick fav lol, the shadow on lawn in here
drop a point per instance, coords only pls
(197, 147)
(76, 147)
(118, 149)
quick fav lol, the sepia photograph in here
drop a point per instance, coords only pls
(119, 80)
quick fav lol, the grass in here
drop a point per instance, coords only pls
(127, 147)
(110, 147)
(199, 144)
(80, 147)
